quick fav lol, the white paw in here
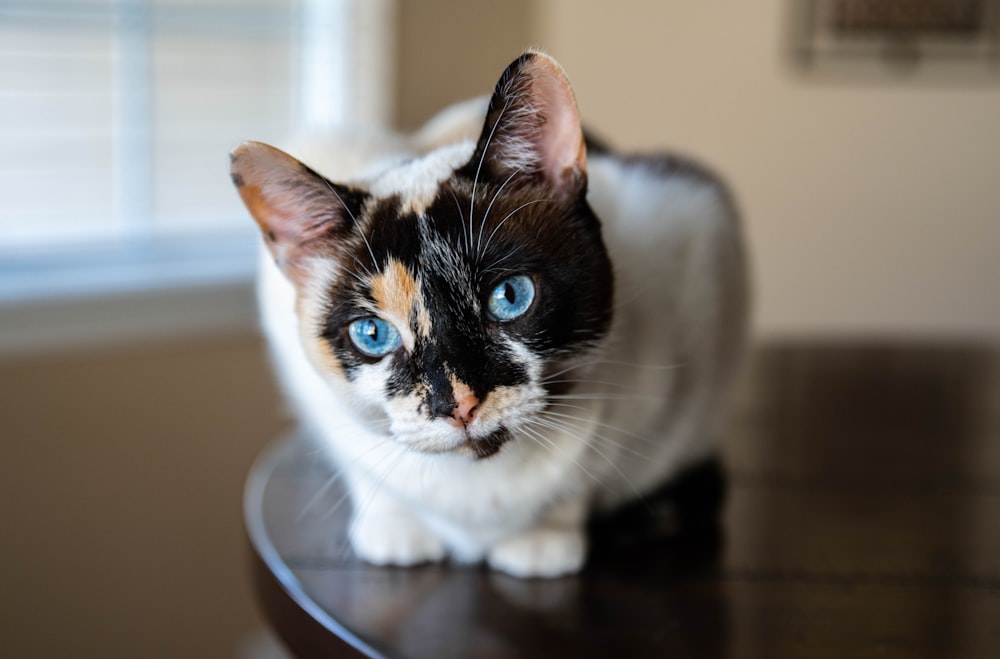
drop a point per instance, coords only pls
(394, 540)
(542, 552)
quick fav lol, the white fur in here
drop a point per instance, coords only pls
(675, 247)
(420, 179)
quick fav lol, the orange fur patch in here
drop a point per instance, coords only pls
(317, 348)
(423, 320)
(395, 289)
(397, 293)
(460, 390)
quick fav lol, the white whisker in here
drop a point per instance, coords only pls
(604, 397)
(479, 167)
(461, 221)
(559, 423)
(337, 195)
(329, 482)
(354, 221)
(617, 362)
(596, 450)
(623, 431)
(606, 383)
(357, 275)
(504, 220)
(541, 437)
(371, 253)
(337, 504)
(360, 509)
(486, 215)
(574, 366)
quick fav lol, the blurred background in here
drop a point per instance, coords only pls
(863, 147)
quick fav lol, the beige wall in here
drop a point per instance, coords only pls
(451, 50)
(872, 202)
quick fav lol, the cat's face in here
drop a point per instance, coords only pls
(444, 291)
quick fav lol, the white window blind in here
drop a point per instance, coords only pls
(117, 117)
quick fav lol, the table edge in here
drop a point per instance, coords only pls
(272, 577)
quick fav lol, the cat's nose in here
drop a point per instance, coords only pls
(465, 410)
(457, 404)
(460, 412)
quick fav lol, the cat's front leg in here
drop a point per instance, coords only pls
(554, 547)
(384, 532)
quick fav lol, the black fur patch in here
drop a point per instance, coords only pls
(490, 446)
(486, 224)
(457, 264)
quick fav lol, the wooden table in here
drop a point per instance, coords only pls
(862, 520)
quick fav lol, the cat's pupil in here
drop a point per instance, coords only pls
(371, 330)
(508, 293)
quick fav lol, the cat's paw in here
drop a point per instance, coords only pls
(395, 540)
(540, 552)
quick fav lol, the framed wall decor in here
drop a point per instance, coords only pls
(901, 35)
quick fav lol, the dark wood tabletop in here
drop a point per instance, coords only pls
(861, 519)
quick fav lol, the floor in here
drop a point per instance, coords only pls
(120, 494)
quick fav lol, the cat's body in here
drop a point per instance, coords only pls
(490, 429)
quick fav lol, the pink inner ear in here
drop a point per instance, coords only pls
(292, 205)
(560, 144)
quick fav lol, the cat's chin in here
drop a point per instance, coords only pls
(478, 448)
(488, 446)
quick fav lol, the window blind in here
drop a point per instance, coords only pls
(116, 117)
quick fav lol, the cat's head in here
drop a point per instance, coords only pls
(442, 293)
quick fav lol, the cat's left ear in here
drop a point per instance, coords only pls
(300, 213)
(533, 127)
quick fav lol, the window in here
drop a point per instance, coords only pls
(116, 118)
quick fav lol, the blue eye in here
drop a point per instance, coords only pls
(374, 337)
(511, 298)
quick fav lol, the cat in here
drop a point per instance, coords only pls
(497, 327)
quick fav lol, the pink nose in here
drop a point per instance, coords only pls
(464, 411)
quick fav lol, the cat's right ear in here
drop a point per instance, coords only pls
(299, 212)
(532, 127)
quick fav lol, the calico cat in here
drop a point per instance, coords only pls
(496, 331)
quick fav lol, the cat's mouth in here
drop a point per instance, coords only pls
(480, 447)
(488, 446)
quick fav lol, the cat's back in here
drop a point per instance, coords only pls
(673, 234)
(660, 204)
